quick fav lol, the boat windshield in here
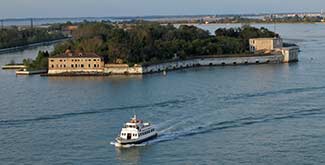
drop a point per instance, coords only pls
(131, 126)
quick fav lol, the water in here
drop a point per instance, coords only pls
(256, 114)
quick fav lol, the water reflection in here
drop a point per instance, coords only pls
(129, 155)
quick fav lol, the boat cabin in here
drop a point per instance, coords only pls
(135, 128)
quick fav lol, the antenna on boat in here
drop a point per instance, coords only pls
(134, 115)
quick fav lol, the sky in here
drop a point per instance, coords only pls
(103, 8)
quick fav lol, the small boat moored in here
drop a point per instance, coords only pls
(135, 132)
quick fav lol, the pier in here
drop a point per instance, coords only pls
(14, 67)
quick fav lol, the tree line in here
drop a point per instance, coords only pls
(147, 43)
(40, 62)
(13, 36)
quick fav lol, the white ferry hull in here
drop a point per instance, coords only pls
(136, 141)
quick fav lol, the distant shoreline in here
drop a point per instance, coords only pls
(20, 48)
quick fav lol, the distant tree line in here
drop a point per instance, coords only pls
(146, 43)
(13, 36)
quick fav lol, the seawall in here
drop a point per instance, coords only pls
(202, 61)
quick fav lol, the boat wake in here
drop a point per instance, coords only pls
(175, 132)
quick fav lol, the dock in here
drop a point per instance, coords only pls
(14, 67)
(25, 72)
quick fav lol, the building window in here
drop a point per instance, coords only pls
(52, 60)
(64, 65)
(94, 65)
(82, 65)
(52, 66)
(71, 65)
(76, 65)
(60, 60)
(88, 65)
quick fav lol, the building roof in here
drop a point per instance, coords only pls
(270, 38)
(76, 55)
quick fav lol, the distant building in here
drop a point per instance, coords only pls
(75, 62)
(67, 31)
(265, 44)
(72, 27)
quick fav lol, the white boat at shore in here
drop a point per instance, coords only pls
(135, 132)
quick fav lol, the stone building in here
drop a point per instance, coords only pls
(69, 62)
(274, 45)
(290, 54)
(265, 44)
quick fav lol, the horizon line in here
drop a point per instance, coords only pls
(161, 16)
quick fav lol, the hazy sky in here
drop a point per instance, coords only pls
(78, 8)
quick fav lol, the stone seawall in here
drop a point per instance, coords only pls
(178, 64)
(123, 69)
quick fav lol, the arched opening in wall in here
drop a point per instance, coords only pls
(210, 64)
(223, 63)
(187, 65)
(174, 67)
(246, 62)
(257, 62)
(235, 63)
(150, 71)
(126, 72)
(267, 61)
(158, 70)
(198, 64)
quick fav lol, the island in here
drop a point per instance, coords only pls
(106, 48)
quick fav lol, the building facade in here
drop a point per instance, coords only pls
(75, 62)
(275, 45)
(265, 44)
(290, 54)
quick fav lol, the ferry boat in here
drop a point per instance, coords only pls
(135, 132)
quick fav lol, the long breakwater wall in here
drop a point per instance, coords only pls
(203, 61)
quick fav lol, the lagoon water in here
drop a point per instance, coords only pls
(256, 114)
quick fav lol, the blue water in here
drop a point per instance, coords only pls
(256, 114)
